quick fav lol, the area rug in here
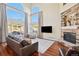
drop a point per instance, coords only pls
(43, 44)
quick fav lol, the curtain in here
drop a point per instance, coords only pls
(3, 24)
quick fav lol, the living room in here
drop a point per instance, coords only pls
(40, 24)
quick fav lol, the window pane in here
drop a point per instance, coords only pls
(15, 20)
(16, 5)
(35, 20)
(35, 10)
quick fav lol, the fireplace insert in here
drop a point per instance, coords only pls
(70, 37)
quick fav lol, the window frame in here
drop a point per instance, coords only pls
(18, 11)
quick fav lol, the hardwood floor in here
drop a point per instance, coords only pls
(53, 50)
(6, 51)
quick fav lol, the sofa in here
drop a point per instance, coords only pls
(19, 49)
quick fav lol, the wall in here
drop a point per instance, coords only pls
(51, 17)
(62, 9)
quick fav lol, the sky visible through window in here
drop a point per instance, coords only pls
(35, 18)
(12, 14)
(35, 10)
(16, 5)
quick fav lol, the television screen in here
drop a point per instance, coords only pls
(46, 29)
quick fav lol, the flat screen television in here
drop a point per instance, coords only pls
(46, 29)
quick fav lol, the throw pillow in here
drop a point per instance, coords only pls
(24, 43)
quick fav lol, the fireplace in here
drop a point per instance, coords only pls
(70, 37)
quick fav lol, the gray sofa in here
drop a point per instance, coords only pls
(19, 49)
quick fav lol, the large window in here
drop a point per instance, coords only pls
(35, 20)
(35, 25)
(15, 17)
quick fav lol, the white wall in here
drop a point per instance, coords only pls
(51, 17)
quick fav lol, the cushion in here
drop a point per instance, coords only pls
(17, 39)
(10, 36)
(14, 38)
(24, 43)
(31, 36)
